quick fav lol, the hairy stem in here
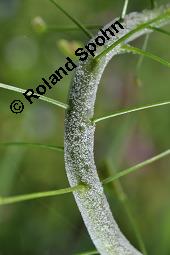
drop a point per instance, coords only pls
(79, 136)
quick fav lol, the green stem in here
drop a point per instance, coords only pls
(32, 196)
(39, 145)
(124, 11)
(160, 30)
(82, 27)
(138, 51)
(136, 167)
(129, 111)
(43, 98)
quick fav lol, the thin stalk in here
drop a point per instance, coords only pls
(141, 57)
(136, 109)
(124, 11)
(136, 167)
(43, 98)
(81, 26)
(160, 30)
(138, 51)
(32, 196)
(39, 145)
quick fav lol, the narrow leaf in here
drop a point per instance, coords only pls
(138, 51)
(43, 98)
(136, 167)
(82, 27)
(160, 30)
(32, 196)
(39, 145)
(124, 11)
(129, 111)
(141, 57)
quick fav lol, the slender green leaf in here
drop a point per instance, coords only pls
(43, 98)
(160, 30)
(141, 57)
(161, 17)
(81, 26)
(136, 167)
(130, 111)
(32, 196)
(138, 51)
(124, 11)
(39, 145)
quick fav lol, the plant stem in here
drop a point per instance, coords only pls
(136, 167)
(43, 98)
(160, 30)
(124, 9)
(39, 145)
(136, 109)
(81, 26)
(32, 196)
(79, 138)
(138, 51)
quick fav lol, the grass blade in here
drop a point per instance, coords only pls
(32, 196)
(136, 167)
(160, 30)
(43, 98)
(144, 53)
(39, 145)
(82, 27)
(141, 57)
(129, 111)
(124, 11)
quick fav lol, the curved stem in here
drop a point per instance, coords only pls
(79, 137)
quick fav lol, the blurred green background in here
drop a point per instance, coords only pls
(54, 225)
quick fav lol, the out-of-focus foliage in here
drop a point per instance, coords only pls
(54, 225)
